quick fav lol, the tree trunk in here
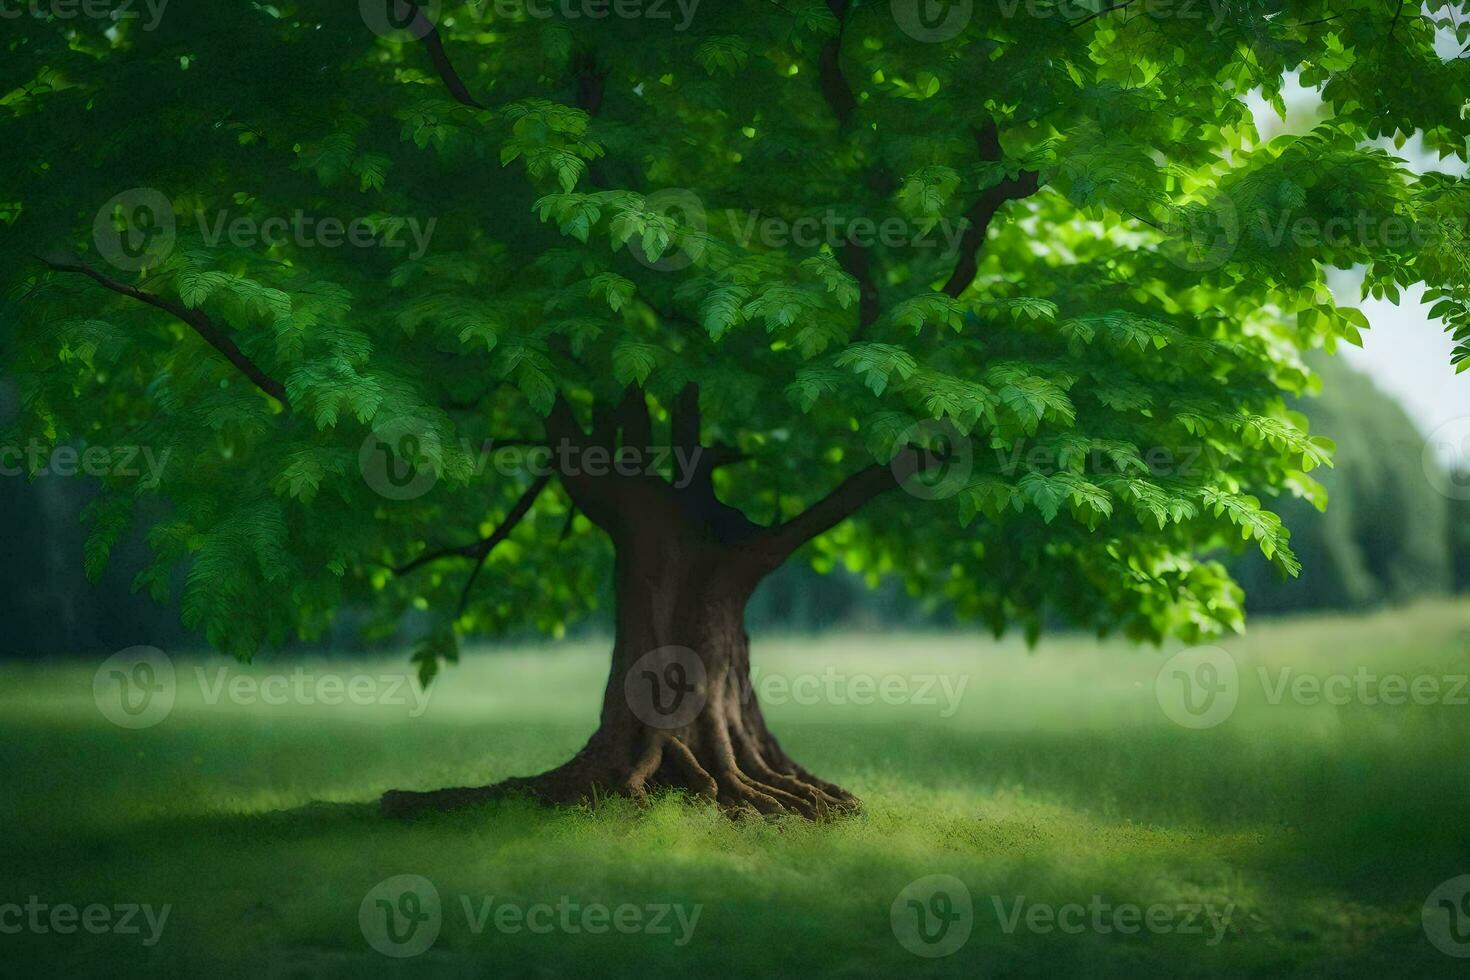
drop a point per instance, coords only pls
(679, 711)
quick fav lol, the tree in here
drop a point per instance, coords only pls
(1006, 303)
(1386, 535)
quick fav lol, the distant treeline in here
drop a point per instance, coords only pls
(1388, 536)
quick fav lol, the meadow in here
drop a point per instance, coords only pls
(1299, 836)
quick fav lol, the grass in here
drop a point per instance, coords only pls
(1322, 828)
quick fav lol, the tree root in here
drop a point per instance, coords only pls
(735, 775)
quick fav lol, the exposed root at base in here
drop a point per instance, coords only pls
(753, 785)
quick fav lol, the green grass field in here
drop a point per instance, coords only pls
(1057, 779)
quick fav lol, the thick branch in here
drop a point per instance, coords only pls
(984, 210)
(591, 84)
(480, 550)
(594, 496)
(633, 419)
(195, 319)
(684, 420)
(776, 544)
(424, 29)
(857, 262)
(835, 88)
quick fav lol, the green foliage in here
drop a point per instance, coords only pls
(615, 204)
(1388, 535)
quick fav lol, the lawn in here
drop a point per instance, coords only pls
(1293, 838)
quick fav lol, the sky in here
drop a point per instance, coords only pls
(1405, 352)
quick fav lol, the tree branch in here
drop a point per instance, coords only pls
(774, 545)
(684, 419)
(1123, 4)
(983, 211)
(1395, 22)
(835, 88)
(195, 319)
(480, 550)
(633, 420)
(425, 30)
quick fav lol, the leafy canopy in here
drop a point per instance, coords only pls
(1050, 247)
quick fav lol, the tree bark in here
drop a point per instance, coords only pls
(679, 711)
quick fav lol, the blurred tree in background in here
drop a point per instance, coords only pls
(1387, 535)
